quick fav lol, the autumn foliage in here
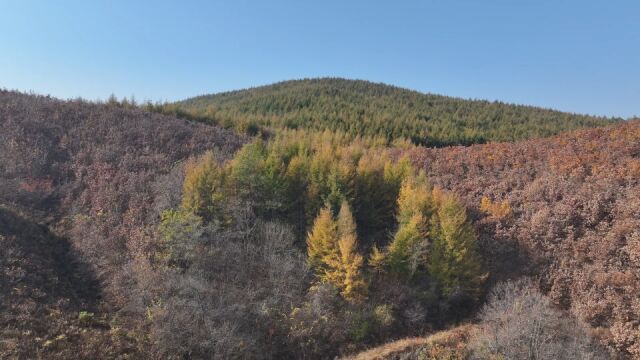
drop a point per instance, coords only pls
(332, 247)
(141, 235)
(500, 210)
(86, 183)
(574, 204)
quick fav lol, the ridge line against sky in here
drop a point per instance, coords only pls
(222, 92)
(574, 56)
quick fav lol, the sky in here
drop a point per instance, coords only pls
(578, 56)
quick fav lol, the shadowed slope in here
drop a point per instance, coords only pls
(97, 175)
(43, 290)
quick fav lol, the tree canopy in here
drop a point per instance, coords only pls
(362, 108)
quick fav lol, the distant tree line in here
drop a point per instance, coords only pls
(361, 108)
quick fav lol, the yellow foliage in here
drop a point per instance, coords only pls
(346, 224)
(332, 248)
(415, 198)
(345, 269)
(383, 314)
(321, 241)
(408, 249)
(439, 196)
(500, 210)
(203, 186)
(377, 259)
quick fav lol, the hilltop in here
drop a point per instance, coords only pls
(372, 109)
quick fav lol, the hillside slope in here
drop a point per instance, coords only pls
(83, 187)
(371, 109)
(574, 219)
(43, 291)
(81, 184)
(448, 344)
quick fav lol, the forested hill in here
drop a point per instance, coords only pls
(365, 108)
(127, 234)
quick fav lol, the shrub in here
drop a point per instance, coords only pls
(500, 210)
(85, 317)
(383, 314)
(180, 235)
(518, 322)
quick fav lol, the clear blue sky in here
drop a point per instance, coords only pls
(580, 56)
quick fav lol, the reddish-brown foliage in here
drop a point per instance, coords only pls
(98, 175)
(575, 200)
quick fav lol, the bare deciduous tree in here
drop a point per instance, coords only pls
(518, 322)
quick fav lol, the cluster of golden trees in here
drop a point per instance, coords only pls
(433, 238)
(332, 247)
(354, 199)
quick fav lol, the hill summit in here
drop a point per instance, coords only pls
(364, 108)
